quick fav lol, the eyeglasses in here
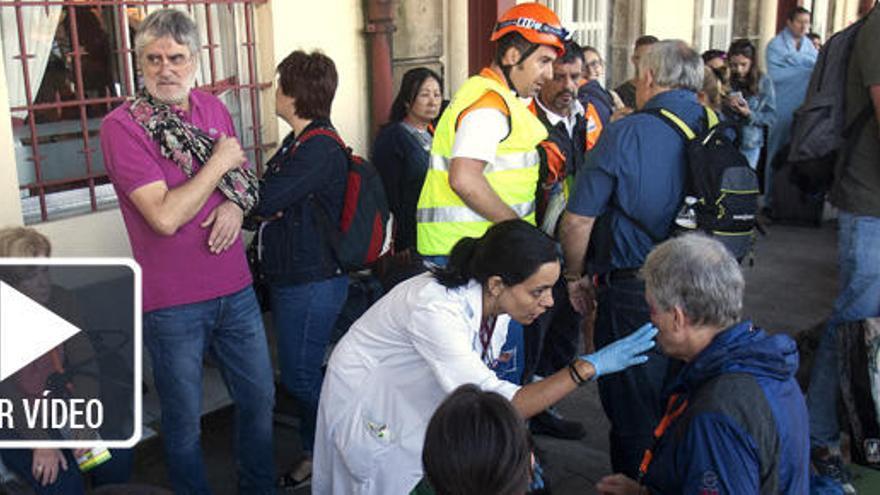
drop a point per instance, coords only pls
(595, 63)
(179, 60)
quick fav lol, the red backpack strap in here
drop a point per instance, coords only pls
(321, 131)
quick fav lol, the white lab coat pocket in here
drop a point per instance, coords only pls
(380, 438)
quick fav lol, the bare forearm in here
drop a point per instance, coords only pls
(536, 397)
(574, 234)
(483, 200)
(189, 198)
(167, 210)
(467, 180)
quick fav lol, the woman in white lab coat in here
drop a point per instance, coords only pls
(430, 335)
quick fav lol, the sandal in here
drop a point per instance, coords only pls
(300, 475)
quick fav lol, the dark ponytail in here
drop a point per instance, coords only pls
(457, 271)
(513, 250)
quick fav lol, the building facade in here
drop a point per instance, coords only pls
(78, 64)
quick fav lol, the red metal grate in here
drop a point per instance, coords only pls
(84, 80)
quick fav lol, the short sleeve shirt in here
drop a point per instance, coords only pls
(858, 190)
(637, 172)
(482, 125)
(177, 269)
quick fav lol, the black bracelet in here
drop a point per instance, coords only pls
(575, 360)
(573, 376)
(572, 369)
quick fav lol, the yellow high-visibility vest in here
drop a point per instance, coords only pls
(442, 217)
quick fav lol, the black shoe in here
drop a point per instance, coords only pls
(830, 464)
(550, 423)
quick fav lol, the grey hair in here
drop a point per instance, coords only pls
(697, 274)
(167, 22)
(674, 64)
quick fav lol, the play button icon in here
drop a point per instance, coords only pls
(20, 317)
(70, 353)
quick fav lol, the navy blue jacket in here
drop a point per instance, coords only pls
(593, 92)
(402, 163)
(745, 429)
(308, 186)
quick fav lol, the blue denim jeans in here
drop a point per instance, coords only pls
(859, 298)
(70, 482)
(230, 328)
(304, 316)
(753, 155)
(633, 399)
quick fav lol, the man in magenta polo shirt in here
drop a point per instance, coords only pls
(183, 185)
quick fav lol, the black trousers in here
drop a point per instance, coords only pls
(633, 399)
(551, 341)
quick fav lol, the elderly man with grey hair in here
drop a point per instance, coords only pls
(184, 184)
(735, 421)
(624, 201)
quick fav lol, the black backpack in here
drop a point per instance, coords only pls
(721, 190)
(819, 131)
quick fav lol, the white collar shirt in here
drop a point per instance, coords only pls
(570, 121)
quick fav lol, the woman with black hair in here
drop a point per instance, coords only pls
(430, 335)
(403, 148)
(752, 97)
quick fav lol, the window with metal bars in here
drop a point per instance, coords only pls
(586, 19)
(70, 62)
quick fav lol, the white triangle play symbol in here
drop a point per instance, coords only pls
(27, 330)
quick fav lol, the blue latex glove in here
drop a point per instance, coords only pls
(626, 352)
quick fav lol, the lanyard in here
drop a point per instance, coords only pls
(672, 413)
(487, 328)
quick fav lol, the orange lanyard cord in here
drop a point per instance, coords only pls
(672, 413)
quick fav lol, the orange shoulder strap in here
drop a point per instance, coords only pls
(491, 100)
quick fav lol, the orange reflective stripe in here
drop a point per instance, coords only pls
(594, 126)
(668, 418)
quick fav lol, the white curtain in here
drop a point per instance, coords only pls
(39, 24)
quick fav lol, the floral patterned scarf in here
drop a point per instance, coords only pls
(181, 142)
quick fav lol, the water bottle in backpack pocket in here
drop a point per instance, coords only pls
(721, 190)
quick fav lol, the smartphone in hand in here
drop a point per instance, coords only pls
(736, 96)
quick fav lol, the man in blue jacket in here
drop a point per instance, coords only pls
(736, 421)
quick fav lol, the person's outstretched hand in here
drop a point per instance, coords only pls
(618, 484)
(626, 352)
